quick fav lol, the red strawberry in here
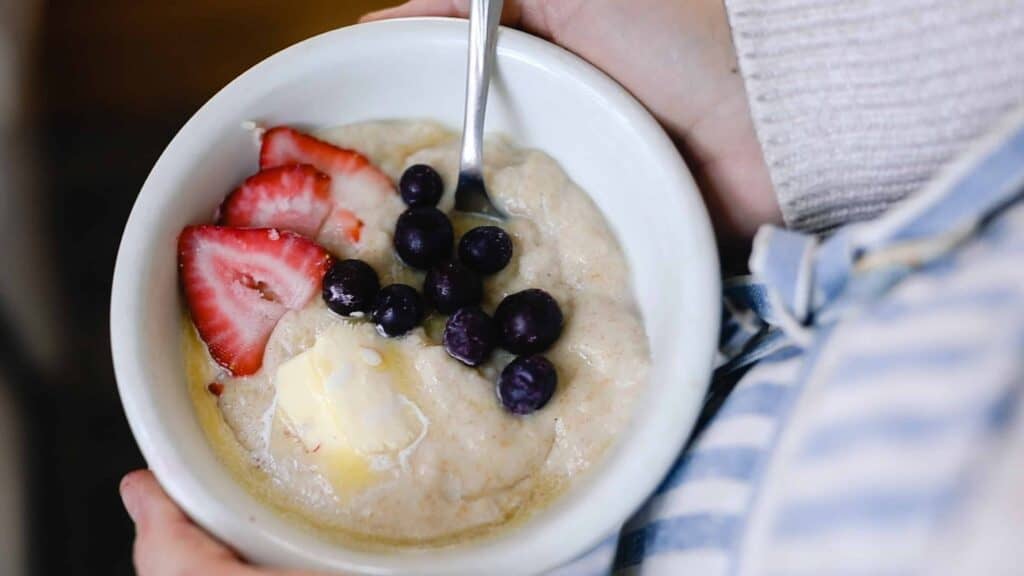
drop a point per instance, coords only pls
(294, 197)
(240, 281)
(355, 182)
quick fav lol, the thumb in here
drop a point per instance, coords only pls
(166, 541)
(146, 502)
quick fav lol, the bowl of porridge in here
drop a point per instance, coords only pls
(329, 367)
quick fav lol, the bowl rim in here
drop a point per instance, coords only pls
(620, 495)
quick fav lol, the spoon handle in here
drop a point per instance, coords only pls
(484, 16)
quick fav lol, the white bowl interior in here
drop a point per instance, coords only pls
(543, 98)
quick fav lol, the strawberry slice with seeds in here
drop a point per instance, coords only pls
(293, 197)
(356, 183)
(239, 282)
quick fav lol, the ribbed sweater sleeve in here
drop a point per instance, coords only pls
(857, 103)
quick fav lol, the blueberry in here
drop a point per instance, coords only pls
(470, 336)
(526, 384)
(450, 286)
(423, 237)
(486, 249)
(421, 185)
(528, 322)
(399, 309)
(350, 287)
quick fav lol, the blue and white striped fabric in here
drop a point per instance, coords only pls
(866, 418)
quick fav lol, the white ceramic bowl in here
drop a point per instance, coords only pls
(545, 98)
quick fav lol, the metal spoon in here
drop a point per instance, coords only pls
(471, 194)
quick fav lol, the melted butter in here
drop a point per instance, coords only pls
(200, 371)
(349, 401)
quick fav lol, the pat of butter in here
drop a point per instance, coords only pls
(339, 397)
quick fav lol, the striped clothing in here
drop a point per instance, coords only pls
(867, 417)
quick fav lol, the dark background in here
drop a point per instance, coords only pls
(109, 84)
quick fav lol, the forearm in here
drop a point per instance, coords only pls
(858, 103)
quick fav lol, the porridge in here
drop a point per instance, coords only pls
(395, 372)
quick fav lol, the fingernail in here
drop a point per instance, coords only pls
(129, 496)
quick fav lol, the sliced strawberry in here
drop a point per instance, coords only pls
(283, 145)
(342, 224)
(293, 197)
(239, 282)
(355, 182)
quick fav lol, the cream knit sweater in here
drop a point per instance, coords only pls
(858, 102)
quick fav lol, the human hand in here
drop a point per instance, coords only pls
(678, 59)
(167, 543)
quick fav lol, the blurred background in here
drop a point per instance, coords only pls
(90, 93)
